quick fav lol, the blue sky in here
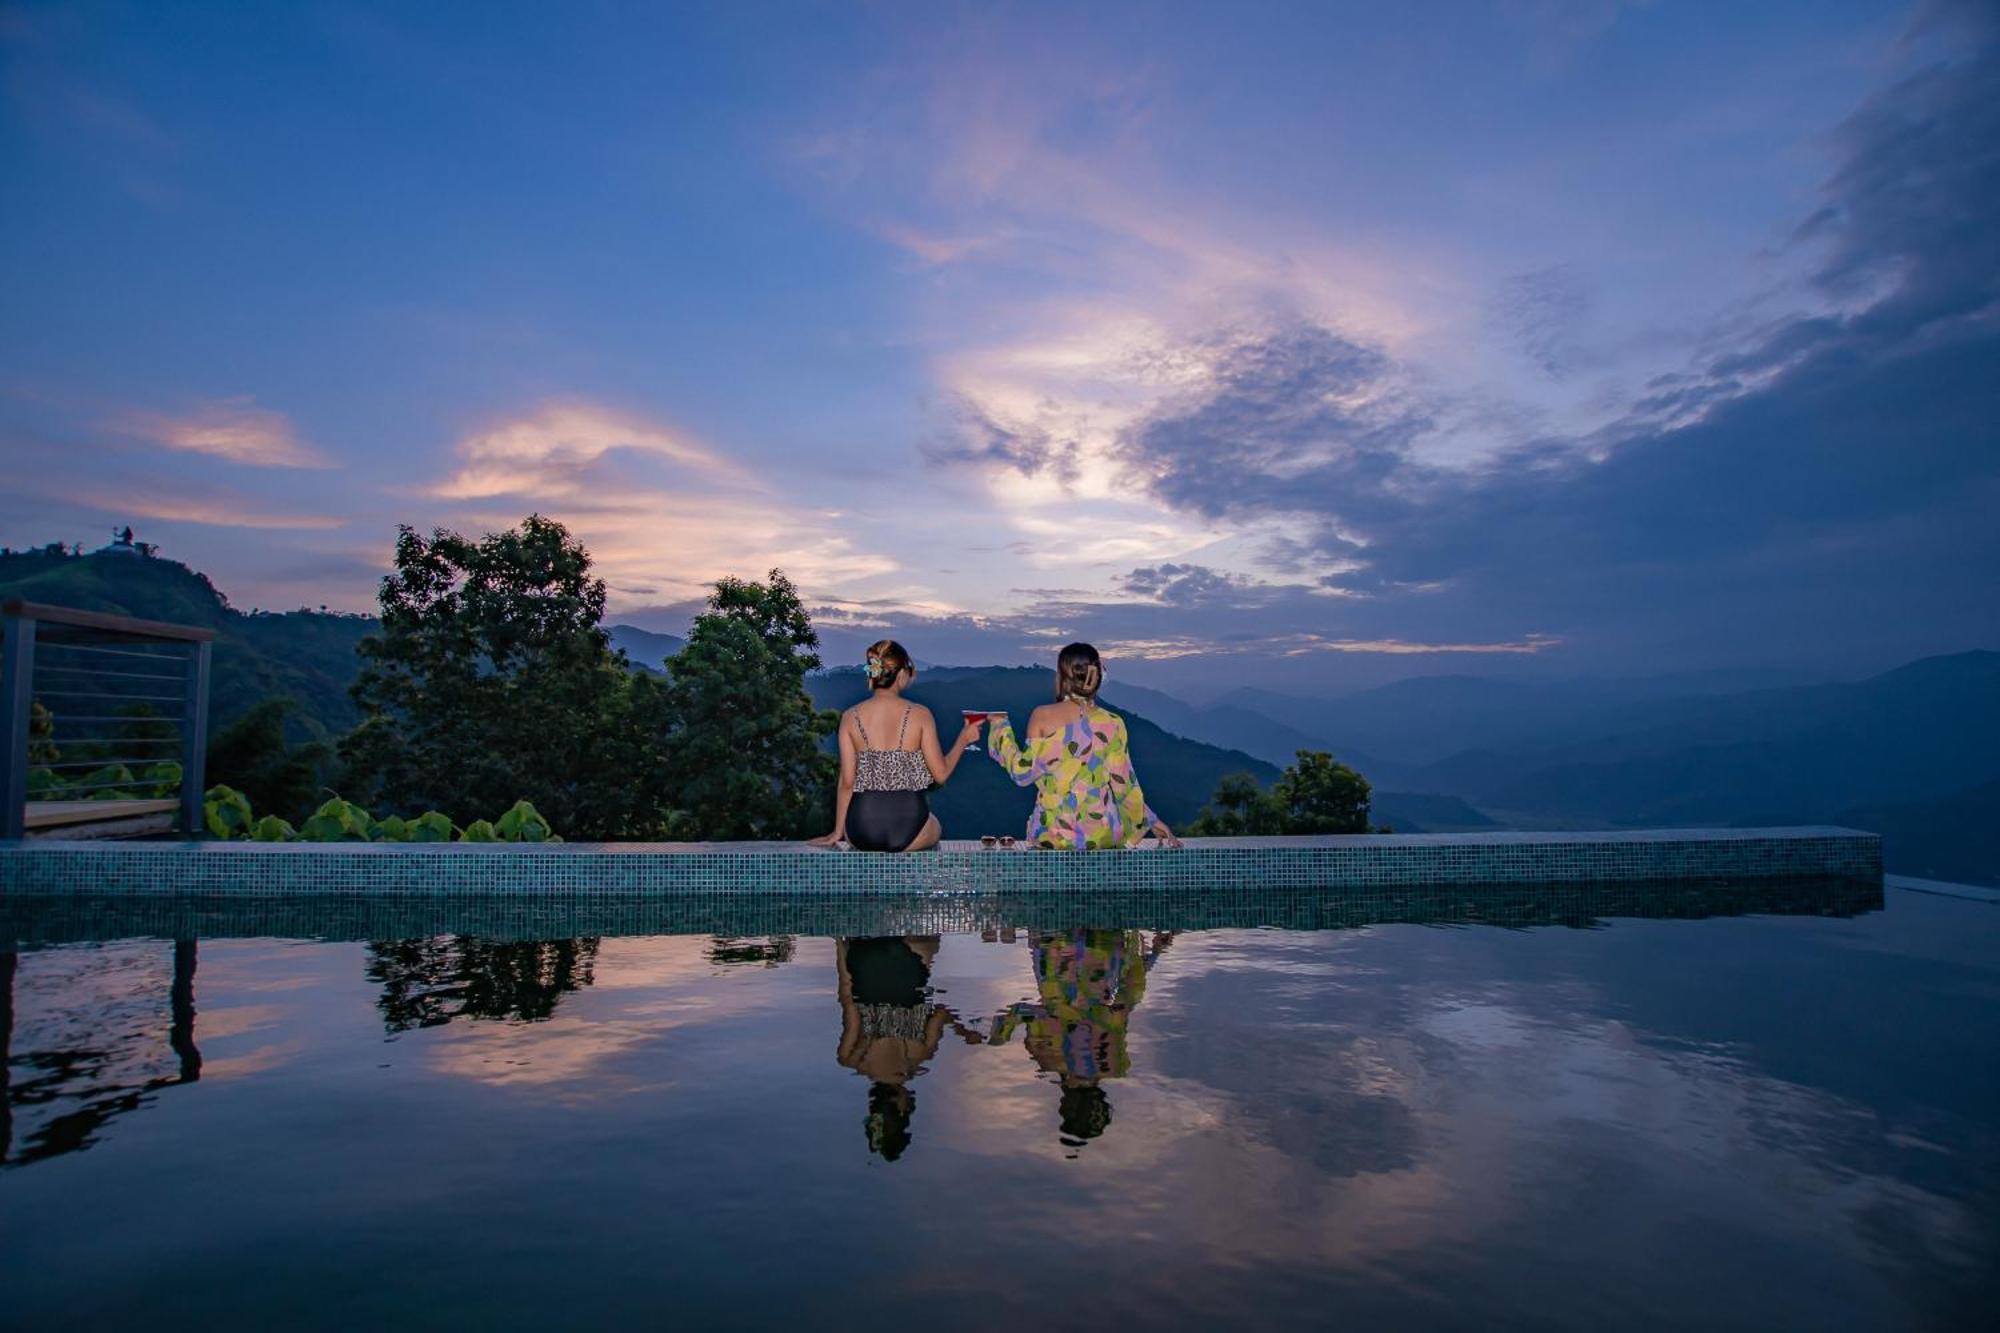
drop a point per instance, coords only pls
(1323, 342)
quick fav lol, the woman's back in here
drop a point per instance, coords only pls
(889, 757)
(1079, 759)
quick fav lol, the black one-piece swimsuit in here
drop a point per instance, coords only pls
(889, 806)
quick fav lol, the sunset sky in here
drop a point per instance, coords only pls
(1317, 343)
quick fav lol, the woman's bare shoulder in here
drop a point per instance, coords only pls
(1047, 719)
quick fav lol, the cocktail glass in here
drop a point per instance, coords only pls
(974, 715)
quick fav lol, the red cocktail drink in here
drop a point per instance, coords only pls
(976, 715)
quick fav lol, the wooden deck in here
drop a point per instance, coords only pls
(99, 819)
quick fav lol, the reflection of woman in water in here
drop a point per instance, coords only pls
(1088, 983)
(890, 1027)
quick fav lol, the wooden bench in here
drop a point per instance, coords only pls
(98, 819)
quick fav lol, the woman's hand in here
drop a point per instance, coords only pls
(1167, 838)
(833, 839)
(968, 734)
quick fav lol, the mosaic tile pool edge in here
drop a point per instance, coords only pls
(66, 918)
(1338, 863)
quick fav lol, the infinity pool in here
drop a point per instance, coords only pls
(1620, 1111)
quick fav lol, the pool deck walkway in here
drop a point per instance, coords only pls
(49, 866)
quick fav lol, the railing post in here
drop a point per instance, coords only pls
(194, 741)
(17, 679)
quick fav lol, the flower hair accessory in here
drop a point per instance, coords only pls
(876, 666)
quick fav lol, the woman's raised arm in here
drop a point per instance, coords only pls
(1022, 765)
(942, 765)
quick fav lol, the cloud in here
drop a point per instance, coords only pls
(1837, 463)
(1184, 585)
(1543, 312)
(940, 249)
(548, 452)
(662, 515)
(235, 429)
(210, 508)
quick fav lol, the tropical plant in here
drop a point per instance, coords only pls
(112, 782)
(479, 830)
(337, 821)
(524, 823)
(389, 828)
(226, 812)
(430, 826)
(272, 829)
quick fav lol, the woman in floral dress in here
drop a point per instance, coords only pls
(1078, 758)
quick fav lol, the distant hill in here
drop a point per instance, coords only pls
(644, 647)
(1766, 756)
(1426, 719)
(308, 655)
(1238, 728)
(1947, 837)
(1414, 812)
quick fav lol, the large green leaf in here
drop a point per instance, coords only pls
(226, 812)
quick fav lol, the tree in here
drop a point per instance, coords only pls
(1316, 794)
(774, 610)
(250, 754)
(1238, 809)
(746, 746)
(490, 681)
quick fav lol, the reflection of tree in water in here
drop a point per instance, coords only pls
(751, 950)
(93, 1073)
(427, 983)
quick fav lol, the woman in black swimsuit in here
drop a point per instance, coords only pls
(881, 806)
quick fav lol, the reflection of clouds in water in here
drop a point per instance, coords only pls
(565, 1049)
(89, 1021)
(1407, 1112)
(642, 989)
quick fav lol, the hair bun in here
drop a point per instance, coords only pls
(886, 661)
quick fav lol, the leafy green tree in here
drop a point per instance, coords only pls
(1239, 809)
(774, 610)
(251, 755)
(746, 746)
(1317, 794)
(491, 681)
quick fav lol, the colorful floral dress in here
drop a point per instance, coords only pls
(1085, 792)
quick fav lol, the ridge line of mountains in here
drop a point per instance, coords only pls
(1912, 753)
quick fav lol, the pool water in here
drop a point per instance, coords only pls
(1786, 1120)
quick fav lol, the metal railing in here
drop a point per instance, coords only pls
(97, 707)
